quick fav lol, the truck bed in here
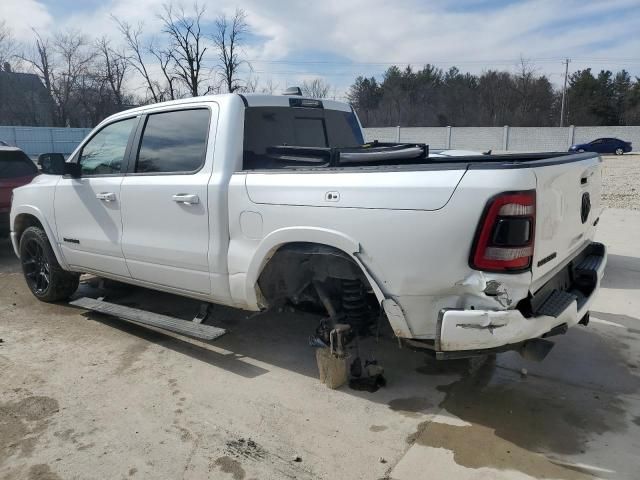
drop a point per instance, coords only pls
(402, 157)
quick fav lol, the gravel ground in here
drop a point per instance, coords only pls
(621, 182)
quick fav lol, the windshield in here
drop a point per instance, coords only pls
(266, 127)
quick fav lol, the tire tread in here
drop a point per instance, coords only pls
(62, 284)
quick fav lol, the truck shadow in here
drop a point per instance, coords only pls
(271, 338)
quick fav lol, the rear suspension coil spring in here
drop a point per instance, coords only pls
(354, 304)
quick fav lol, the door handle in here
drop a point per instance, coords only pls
(106, 196)
(186, 198)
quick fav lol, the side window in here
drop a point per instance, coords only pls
(104, 153)
(174, 142)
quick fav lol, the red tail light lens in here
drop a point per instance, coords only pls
(505, 236)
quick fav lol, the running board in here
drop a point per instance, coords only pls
(145, 318)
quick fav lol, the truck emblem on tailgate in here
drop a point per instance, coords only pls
(585, 208)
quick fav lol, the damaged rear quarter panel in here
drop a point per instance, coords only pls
(418, 257)
(493, 291)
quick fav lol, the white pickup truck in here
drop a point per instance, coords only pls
(256, 201)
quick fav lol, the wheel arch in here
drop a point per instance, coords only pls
(307, 235)
(320, 237)
(29, 216)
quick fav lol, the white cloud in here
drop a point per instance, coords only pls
(414, 31)
(24, 15)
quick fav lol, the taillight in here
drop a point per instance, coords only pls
(505, 236)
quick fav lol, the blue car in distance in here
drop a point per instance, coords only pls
(603, 145)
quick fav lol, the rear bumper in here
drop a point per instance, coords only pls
(564, 300)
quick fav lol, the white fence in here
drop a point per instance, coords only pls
(516, 139)
(37, 140)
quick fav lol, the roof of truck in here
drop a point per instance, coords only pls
(250, 99)
(262, 100)
(7, 148)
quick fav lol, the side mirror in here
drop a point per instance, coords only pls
(51, 163)
(74, 170)
(54, 164)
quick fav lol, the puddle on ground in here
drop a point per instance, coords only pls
(230, 466)
(377, 428)
(555, 411)
(535, 417)
(538, 413)
(476, 446)
(131, 355)
(412, 407)
(42, 472)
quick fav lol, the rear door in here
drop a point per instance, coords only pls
(88, 209)
(567, 208)
(164, 196)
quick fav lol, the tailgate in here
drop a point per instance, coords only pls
(567, 206)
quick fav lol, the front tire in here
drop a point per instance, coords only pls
(619, 151)
(44, 276)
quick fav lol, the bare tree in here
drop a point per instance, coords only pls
(187, 46)
(75, 59)
(132, 36)
(228, 39)
(40, 59)
(165, 60)
(61, 65)
(114, 66)
(250, 85)
(524, 80)
(270, 87)
(316, 88)
(7, 43)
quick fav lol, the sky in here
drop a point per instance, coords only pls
(337, 40)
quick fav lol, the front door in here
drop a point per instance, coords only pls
(88, 209)
(164, 202)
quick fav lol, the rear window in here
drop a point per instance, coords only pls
(15, 164)
(266, 127)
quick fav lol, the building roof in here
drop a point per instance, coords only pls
(26, 80)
